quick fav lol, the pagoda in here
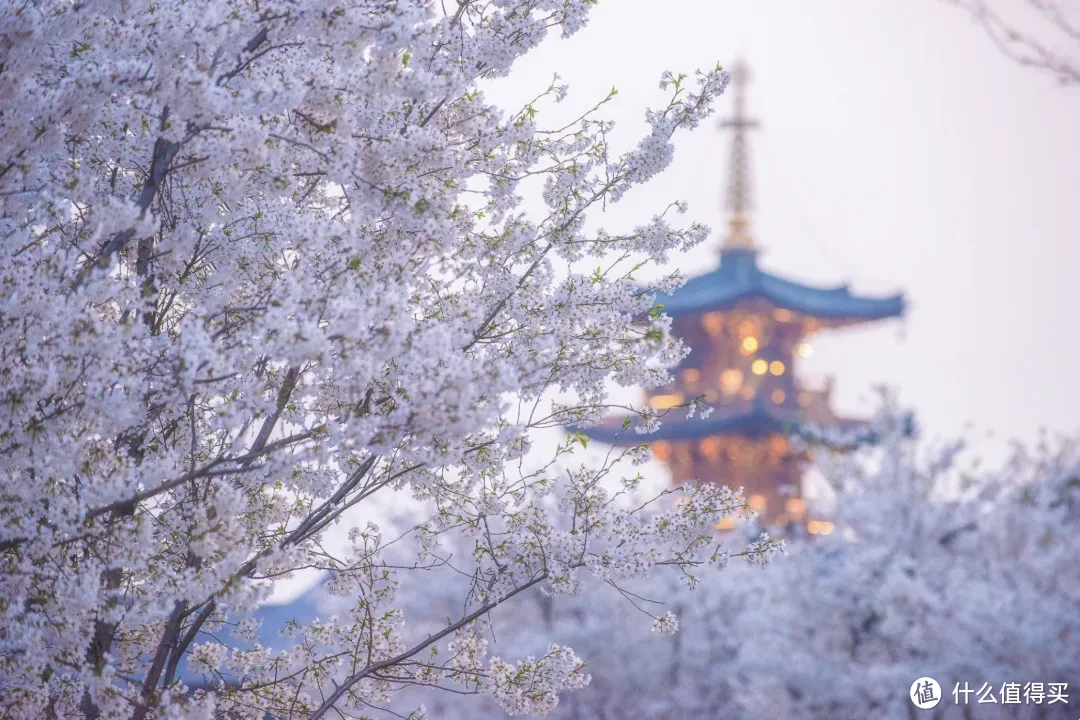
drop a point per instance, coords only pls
(747, 330)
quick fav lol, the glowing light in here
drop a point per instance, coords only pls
(747, 392)
(749, 345)
(710, 448)
(759, 367)
(819, 527)
(748, 327)
(804, 399)
(758, 503)
(663, 402)
(691, 375)
(727, 523)
(731, 381)
(782, 315)
(661, 450)
(805, 350)
(776, 367)
(778, 396)
(796, 506)
(714, 323)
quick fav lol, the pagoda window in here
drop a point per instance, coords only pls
(710, 448)
(664, 402)
(782, 315)
(713, 323)
(730, 381)
(750, 327)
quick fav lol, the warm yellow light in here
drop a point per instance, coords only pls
(748, 327)
(714, 323)
(805, 350)
(710, 448)
(758, 503)
(726, 523)
(747, 392)
(782, 315)
(663, 402)
(691, 375)
(796, 506)
(819, 527)
(778, 396)
(776, 367)
(759, 367)
(778, 445)
(749, 345)
(730, 381)
(661, 450)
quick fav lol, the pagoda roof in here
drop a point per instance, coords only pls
(739, 278)
(753, 420)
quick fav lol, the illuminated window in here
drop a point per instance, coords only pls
(663, 402)
(778, 445)
(778, 396)
(748, 327)
(731, 381)
(782, 315)
(758, 503)
(661, 450)
(713, 323)
(796, 506)
(805, 350)
(727, 523)
(819, 527)
(759, 367)
(749, 345)
(710, 448)
(690, 375)
(775, 367)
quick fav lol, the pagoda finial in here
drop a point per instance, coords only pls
(739, 181)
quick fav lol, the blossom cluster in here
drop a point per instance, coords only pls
(266, 263)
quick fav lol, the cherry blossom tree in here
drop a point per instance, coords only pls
(936, 568)
(266, 262)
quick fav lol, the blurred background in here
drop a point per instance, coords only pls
(900, 150)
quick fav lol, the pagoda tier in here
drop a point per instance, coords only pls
(739, 280)
(747, 330)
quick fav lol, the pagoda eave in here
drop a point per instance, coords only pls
(739, 280)
(754, 423)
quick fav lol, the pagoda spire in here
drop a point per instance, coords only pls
(738, 200)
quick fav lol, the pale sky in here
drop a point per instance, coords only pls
(899, 151)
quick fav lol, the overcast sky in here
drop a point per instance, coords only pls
(899, 151)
